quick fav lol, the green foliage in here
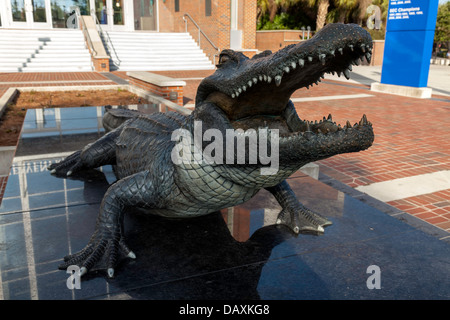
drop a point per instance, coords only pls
(282, 21)
(377, 34)
(442, 32)
(293, 14)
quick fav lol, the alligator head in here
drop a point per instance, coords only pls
(255, 93)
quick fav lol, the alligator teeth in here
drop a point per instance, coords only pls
(363, 120)
(322, 58)
(286, 69)
(356, 62)
(350, 46)
(347, 74)
(301, 63)
(255, 80)
(237, 94)
(332, 52)
(244, 88)
(349, 67)
(368, 57)
(341, 51)
(277, 80)
(239, 90)
(310, 59)
(265, 78)
(269, 79)
(348, 125)
(330, 118)
(233, 95)
(260, 78)
(363, 48)
(250, 83)
(294, 65)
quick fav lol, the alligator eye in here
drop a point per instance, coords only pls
(224, 58)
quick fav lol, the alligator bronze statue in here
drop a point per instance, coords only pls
(243, 95)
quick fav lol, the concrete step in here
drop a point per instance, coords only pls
(43, 51)
(8, 49)
(162, 67)
(35, 44)
(155, 51)
(137, 34)
(178, 60)
(68, 66)
(51, 59)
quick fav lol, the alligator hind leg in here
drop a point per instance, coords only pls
(94, 155)
(107, 244)
(294, 214)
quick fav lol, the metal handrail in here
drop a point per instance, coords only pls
(101, 32)
(85, 32)
(200, 32)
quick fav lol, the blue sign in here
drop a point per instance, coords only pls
(409, 42)
(411, 15)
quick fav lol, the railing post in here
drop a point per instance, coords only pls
(200, 32)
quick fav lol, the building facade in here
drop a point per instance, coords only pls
(226, 23)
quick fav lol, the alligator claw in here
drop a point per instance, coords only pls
(303, 220)
(67, 166)
(101, 249)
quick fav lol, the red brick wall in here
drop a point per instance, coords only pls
(216, 26)
(278, 39)
(101, 65)
(377, 53)
(160, 91)
(249, 31)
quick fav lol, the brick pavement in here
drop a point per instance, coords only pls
(412, 136)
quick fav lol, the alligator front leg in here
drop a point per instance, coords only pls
(294, 214)
(94, 155)
(107, 244)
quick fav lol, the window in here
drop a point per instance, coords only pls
(208, 8)
(61, 13)
(177, 5)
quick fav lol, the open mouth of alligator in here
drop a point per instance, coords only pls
(254, 93)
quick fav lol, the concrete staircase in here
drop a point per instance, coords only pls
(43, 51)
(156, 51)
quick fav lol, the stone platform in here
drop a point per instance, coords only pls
(234, 254)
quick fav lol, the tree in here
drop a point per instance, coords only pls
(322, 11)
(442, 31)
(272, 7)
(342, 9)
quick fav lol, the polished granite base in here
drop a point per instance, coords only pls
(237, 253)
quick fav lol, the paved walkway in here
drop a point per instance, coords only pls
(411, 153)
